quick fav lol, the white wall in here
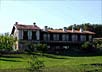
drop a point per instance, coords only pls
(38, 35)
(29, 34)
(20, 34)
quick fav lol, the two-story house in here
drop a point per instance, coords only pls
(52, 37)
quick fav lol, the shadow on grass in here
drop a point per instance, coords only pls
(54, 57)
(49, 55)
(10, 56)
(13, 70)
(93, 64)
(77, 53)
(10, 60)
(96, 67)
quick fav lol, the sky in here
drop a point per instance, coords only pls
(51, 13)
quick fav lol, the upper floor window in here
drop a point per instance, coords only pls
(83, 38)
(65, 37)
(25, 35)
(48, 36)
(55, 36)
(29, 35)
(74, 37)
(20, 34)
(33, 35)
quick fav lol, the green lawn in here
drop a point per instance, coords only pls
(53, 63)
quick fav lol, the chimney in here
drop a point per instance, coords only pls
(34, 24)
(46, 28)
(65, 29)
(16, 23)
(81, 30)
(73, 29)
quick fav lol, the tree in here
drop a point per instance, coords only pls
(97, 28)
(6, 42)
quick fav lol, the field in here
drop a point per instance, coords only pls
(53, 63)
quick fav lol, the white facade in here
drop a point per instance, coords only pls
(38, 34)
(29, 34)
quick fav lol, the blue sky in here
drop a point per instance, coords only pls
(56, 14)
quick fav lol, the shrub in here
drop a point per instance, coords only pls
(41, 47)
(36, 65)
(87, 46)
(6, 43)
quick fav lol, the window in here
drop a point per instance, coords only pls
(33, 35)
(29, 35)
(48, 37)
(63, 37)
(55, 36)
(74, 37)
(83, 38)
(67, 37)
(25, 35)
(20, 34)
(45, 37)
(90, 37)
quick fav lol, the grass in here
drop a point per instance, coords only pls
(53, 63)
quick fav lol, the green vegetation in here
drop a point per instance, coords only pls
(35, 64)
(97, 28)
(6, 42)
(53, 63)
(37, 47)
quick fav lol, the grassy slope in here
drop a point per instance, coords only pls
(53, 62)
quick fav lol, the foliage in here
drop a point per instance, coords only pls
(41, 47)
(36, 47)
(97, 28)
(36, 65)
(87, 46)
(6, 42)
(98, 43)
(31, 47)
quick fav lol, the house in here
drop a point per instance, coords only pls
(53, 38)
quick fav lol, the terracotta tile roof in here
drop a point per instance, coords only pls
(70, 31)
(27, 27)
(35, 27)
